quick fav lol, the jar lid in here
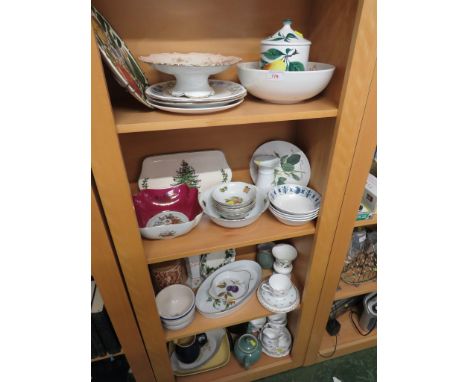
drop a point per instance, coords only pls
(248, 343)
(286, 35)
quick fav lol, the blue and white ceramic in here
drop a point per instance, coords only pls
(293, 199)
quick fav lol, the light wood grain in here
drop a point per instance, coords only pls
(106, 273)
(348, 290)
(234, 372)
(367, 222)
(131, 118)
(109, 356)
(349, 340)
(365, 63)
(111, 181)
(211, 237)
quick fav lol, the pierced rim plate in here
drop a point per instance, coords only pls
(119, 58)
(211, 262)
(224, 91)
(294, 167)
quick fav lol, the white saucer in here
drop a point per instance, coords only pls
(224, 91)
(198, 110)
(273, 304)
(207, 351)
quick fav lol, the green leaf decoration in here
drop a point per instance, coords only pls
(287, 167)
(294, 159)
(288, 50)
(295, 177)
(296, 66)
(277, 39)
(276, 154)
(281, 180)
(273, 54)
(284, 158)
(290, 35)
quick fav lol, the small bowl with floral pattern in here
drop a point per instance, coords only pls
(234, 195)
(167, 213)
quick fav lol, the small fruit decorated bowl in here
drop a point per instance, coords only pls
(285, 87)
(167, 213)
(285, 50)
(191, 70)
(234, 194)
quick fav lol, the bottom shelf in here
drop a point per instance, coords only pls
(233, 371)
(349, 340)
(107, 356)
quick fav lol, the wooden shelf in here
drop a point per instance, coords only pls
(346, 290)
(249, 311)
(233, 371)
(132, 118)
(107, 356)
(349, 340)
(363, 223)
(209, 237)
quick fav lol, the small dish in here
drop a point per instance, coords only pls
(191, 70)
(176, 306)
(294, 199)
(167, 213)
(234, 194)
(230, 285)
(207, 203)
(285, 87)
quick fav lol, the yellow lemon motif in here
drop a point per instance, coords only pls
(279, 65)
(298, 33)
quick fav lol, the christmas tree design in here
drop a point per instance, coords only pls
(186, 174)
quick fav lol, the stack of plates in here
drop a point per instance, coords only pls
(226, 95)
(234, 200)
(293, 204)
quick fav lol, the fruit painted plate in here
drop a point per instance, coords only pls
(118, 58)
(294, 167)
(201, 169)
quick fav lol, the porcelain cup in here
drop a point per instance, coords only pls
(278, 285)
(284, 255)
(278, 318)
(255, 326)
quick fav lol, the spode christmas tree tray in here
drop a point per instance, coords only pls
(200, 169)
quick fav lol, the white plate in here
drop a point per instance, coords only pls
(211, 262)
(294, 167)
(224, 91)
(209, 168)
(279, 305)
(198, 110)
(207, 351)
(215, 308)
(192, 105)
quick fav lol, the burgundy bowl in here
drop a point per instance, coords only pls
(180, 202)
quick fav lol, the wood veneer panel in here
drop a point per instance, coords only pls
(234, 372)
(347, 290)
(209, 237)
(131, 118)
(349, 340)
(367, 222)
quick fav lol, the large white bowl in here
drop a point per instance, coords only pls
(294, 199)
(284, 87)
(207, 204)
(289, 221)
(176, 306)
(169, 231)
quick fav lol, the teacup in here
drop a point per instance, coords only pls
(278, 318)
(284, 255)
(278, 285)
(187, 349)
(255, 326)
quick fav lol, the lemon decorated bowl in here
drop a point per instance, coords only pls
(285, 87)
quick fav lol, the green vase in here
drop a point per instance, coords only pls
(265, 259)
(247, 350)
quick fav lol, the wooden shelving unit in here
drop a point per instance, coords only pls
(367, 222)
(347, 290)
(107, 356)
(326, 128)
(349, 340)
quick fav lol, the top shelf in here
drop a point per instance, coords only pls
(132, 118)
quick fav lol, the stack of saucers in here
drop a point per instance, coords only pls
(226, 95)
(293, 204)
(234, 200)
